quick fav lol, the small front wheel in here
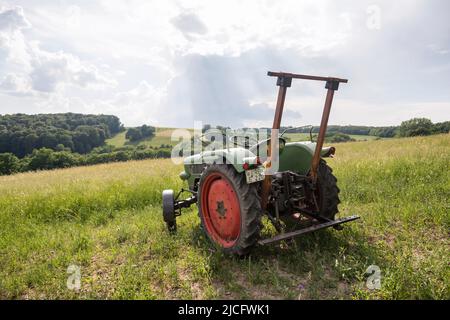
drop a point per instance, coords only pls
(168, 203)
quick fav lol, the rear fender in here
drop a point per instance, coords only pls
(297, 156)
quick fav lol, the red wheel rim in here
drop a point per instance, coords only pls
(220, 209)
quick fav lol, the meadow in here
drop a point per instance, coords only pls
(306, 137)
(162, 136)
(107, 220)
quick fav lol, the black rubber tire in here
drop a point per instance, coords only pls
(328, 191)
(168, 204)
(172, 226)
(250, 204)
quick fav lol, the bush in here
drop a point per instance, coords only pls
(163, 153)
(133, 134)
(41, 159)
(122, 156)
(65, 159)
(416, 127)
(138, 133)
(384, 132)
(45, 159)
(99, 158)
(441, 127)
(103, 149)
(335, 137)
(147, 131)
(339, 137)
(143, 154)
(9, 163)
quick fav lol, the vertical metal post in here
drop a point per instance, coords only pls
(283, 83)
(279, 108)
(331, 86)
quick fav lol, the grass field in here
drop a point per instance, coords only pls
(107, 220)
(162, 136)
(305, 137)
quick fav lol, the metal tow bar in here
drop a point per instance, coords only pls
(312, 228)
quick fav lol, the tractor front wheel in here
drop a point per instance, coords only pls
(229, 208)
(168, 202)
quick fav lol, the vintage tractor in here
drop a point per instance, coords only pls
(290, 183)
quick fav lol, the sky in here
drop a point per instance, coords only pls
(170, 63)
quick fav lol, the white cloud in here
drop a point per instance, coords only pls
(174, 62)
(12, 19)
(189, 23)
(234, 27)
(140, 105)
(37, 69)
(15, 85)
(51, 69)
(12, 43)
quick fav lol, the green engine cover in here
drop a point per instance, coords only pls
(297, 157)
(294, 156)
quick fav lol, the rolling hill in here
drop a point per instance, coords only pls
(162, 136)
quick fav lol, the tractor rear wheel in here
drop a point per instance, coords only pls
(229, 209)
(327, 191)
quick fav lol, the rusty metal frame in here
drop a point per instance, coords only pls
(284, 81)
(312, 228)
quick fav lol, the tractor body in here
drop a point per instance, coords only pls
(236, 186)
(295, 157)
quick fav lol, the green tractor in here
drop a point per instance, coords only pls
(236, 186)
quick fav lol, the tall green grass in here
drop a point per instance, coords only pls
(402, 189)
(107, 220)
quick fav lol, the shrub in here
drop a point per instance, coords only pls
(138, 133)
(133, 134)
(441, 127)
(122, 156)
(339, 137)
(65, 159)
(416, 127)
(9, 163)
(41, 159)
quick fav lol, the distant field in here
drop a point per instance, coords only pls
(107, 220)
(361, 137)
(297, 136)
(162, 136)
(305, 137)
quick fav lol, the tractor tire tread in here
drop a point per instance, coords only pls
(330, 190)
(250, 203)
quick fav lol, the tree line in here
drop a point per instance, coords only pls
(21, 134)
(337, 133)
(62, 140)
(409, 128)
(47, 159)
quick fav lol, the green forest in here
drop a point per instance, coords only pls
(49, 141)
(20, 134)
